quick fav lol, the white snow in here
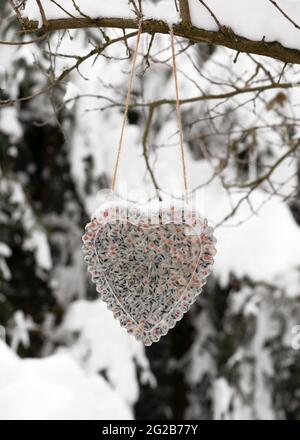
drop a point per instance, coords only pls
(20, 331)
(252, 19)
(203, 362)
(71, 378)
(38, 242)
(36, 239)
(222, 395)
(262, 247)
(71, 93)
(5, 250)
(104, 346)
(165, 10)
(70, 393)
(9, 123)
(289, 281)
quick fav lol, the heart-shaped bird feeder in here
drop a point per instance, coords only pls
(148, 265)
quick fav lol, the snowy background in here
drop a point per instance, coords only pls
(232, 356)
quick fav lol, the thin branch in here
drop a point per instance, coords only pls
(213, 15)
(258, 182)
(217, 96)
(66, 72)
(145, 150)
(42, 12)
(285, 14)
(23, 43)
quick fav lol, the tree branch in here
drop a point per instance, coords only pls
(223, 37)
(145, 151)
(185, 11)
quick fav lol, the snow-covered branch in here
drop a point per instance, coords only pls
(255, 27)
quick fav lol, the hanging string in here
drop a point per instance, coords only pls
(125, 118)
(178, 113)
(127, 101)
